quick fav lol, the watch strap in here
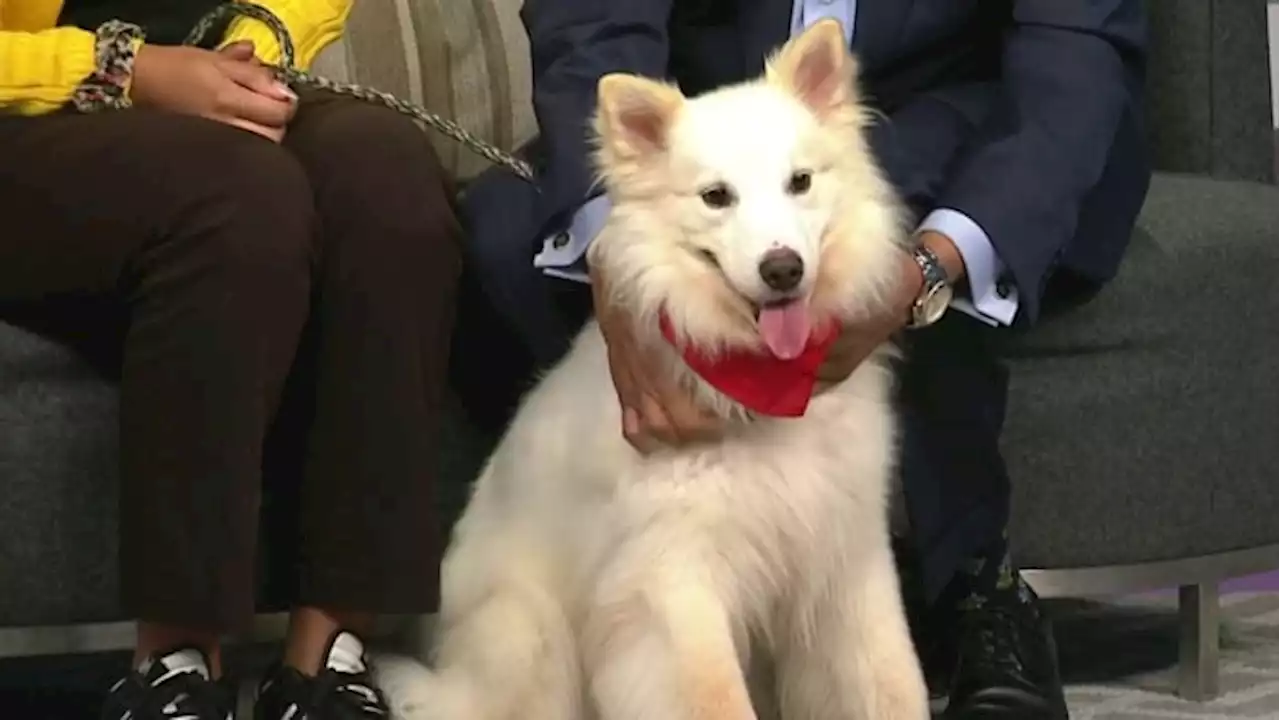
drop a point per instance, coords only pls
(934, 273)
(935, 277)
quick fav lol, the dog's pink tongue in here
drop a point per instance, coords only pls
(785, 329)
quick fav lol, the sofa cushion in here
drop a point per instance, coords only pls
(1140, 426)
(59, 486)
(58, 470)
(465, 59)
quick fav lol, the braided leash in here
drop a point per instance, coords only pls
(296, 78)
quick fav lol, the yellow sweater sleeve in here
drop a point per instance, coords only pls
(40, 70)
(312, 24)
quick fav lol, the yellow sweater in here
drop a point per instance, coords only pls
(41, 65)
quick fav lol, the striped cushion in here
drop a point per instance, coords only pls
(465, 59)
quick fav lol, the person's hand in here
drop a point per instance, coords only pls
(265, 83)
(856, 342)
(655, 410)
(229, 86)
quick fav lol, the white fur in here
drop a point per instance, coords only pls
(586, 581)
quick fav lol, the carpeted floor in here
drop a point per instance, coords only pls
(1118, 659)
(1117, 656)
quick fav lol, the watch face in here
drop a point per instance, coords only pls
(934, 305)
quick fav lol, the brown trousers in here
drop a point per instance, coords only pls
(330, 261)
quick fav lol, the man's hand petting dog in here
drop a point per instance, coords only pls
(856, 343)
(656, 413)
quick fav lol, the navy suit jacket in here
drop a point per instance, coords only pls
(1025, 115)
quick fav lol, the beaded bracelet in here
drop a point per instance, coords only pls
(106, 88)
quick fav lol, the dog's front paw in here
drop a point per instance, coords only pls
(413, 692)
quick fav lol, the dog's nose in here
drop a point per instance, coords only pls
(782, 269)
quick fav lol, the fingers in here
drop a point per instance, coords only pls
(663, 412)
(669, 418)
(687, 421)
(654, 422)
(625, 385)
(618, 342)
(644, 422)
(854, 346)
(840, 362)
(243, 104)
(624, 381)
(643, 442)
(248, 73)
(239, 50)
(655, 410)
(274, 134)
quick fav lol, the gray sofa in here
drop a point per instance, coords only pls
(1139, 427)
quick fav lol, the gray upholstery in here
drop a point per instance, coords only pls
(1139, 426)
(58, 473)
(1209, 89)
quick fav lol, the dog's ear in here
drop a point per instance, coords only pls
(817, 68)
(634, 114)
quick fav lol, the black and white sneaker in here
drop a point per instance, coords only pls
(174, 686)
(343, 690)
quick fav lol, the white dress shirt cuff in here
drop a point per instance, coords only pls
(564, 254)
(993, 299)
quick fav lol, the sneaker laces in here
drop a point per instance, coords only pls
(333, 695)
(353, 693)
(184, 695)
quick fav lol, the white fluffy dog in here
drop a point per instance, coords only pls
(587, 581)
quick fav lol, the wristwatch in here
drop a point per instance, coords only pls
(935, 295)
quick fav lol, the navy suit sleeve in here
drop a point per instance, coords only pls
(573, 44)
(1070, 72)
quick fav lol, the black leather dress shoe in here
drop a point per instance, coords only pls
(1006, 664)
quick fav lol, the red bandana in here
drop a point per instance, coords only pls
(758, 380)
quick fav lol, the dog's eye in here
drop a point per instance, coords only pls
(800, 182)
(709, 257)
(717, 196)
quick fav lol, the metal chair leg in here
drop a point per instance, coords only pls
(1198, 650)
